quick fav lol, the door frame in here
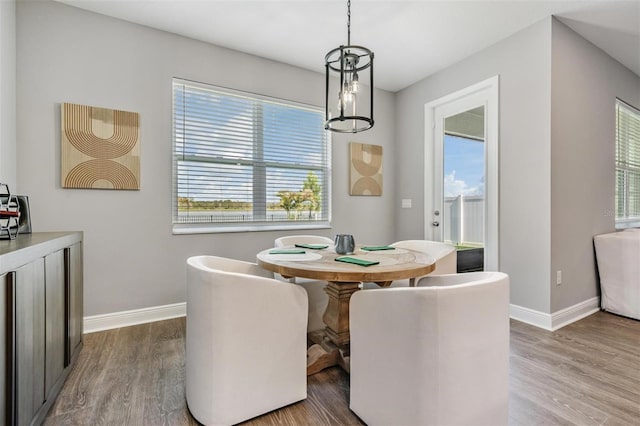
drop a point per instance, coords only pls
(488, 91)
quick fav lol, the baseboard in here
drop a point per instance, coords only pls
(574, 313)
(530, 316)
(539, 319)
(136, 316)
(558, 319)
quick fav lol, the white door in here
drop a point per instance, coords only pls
(445, 209)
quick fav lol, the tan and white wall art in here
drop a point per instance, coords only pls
(100, 148)
(366, 169)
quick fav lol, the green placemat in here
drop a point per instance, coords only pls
(313, 246)
(287, 251)
(355, 261)
(376, 248)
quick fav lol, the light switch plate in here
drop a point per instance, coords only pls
(406, 203)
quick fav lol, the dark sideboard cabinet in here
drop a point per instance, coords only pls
(41, 313)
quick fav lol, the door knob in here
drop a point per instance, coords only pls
(435, 223)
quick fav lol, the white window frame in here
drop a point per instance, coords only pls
(631, 140)
(259, 186)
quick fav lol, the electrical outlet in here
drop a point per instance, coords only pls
(558, 277)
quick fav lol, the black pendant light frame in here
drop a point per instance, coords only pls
(348, 61)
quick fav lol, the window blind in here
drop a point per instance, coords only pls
(627, 162)
(248, 159)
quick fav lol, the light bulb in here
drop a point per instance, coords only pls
(354, 124)
(355, 82)
(348, 96)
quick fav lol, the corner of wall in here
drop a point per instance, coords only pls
(8, 93)
(585, 82)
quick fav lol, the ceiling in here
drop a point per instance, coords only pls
(410, 39)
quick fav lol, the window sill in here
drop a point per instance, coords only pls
(186, 229)
(628, 223)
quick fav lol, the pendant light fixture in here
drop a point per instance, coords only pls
(349, 86)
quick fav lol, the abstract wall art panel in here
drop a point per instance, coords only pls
(100, 148)
(366, 169)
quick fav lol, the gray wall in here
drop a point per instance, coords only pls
(556, 149)
(523, 63)
(131, 258)
(585, 83)
(8, 93)
(557, 97)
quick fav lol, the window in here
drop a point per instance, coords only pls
(247, 162)
(627, 165)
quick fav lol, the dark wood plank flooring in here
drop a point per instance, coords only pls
(587, 373)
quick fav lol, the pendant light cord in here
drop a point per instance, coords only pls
(348, 22)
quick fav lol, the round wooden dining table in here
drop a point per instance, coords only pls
(343, 279)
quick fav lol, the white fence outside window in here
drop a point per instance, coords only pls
(464, 220)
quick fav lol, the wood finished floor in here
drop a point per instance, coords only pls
(587, 373)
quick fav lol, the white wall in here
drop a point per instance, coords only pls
(131, 258)
(585, 83)
(523, 62)
(8, 93)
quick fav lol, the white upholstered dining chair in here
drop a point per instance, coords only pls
(318, 299)
(291, 240)
(617, 254)
(444, 254)
(246, 341)
(435, 354)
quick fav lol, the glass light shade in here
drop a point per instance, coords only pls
(348, 99)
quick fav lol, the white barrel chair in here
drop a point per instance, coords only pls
(246, 343)
(434, 354)
(291, 240)
(318, 299)
(444, 254)
(617, 255)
